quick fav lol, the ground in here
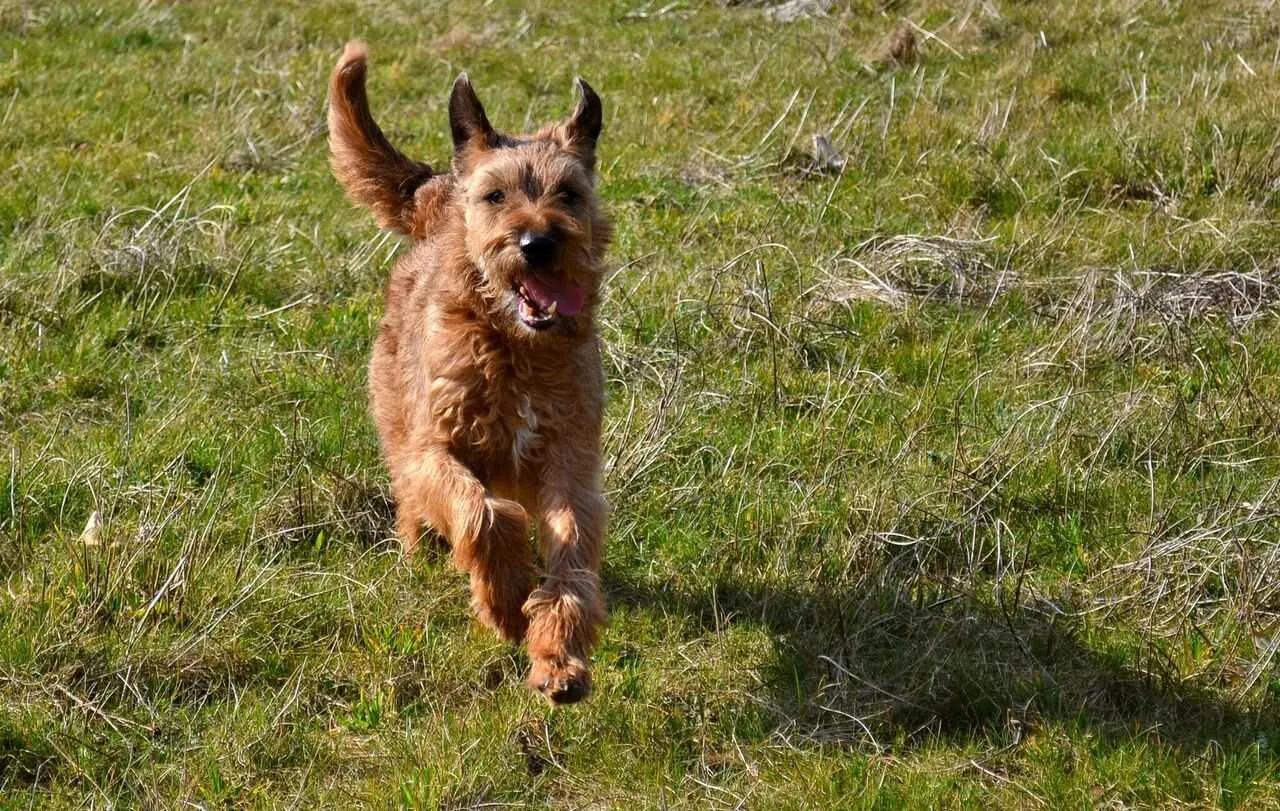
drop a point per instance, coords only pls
(942, 441)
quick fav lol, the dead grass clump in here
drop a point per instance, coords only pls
(899, 270)
(786, 12)
(1139, 313)
(1171, 296)
(1197, 572)
(147, 255)
(793, 10)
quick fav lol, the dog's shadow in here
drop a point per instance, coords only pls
(883, 669)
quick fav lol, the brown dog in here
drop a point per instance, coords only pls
(485, 380)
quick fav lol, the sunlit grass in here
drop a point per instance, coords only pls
(942, 449)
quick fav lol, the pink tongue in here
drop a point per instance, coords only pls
(568, 298)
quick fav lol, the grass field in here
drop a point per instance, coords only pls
(944, 462)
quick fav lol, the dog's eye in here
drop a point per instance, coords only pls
(568, 197)
(494, 197)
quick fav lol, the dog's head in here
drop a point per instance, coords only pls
(534, 227)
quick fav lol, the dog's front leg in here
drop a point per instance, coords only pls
(567, 611)
(489, 535)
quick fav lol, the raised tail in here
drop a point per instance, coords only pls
(374, 173)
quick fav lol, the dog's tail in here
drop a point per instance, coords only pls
(373, 172)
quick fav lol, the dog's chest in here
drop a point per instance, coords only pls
(516, 438)
(493, 420)
(524, 431)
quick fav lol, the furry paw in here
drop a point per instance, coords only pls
(561, 681)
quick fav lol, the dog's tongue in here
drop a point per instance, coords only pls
(544, 290)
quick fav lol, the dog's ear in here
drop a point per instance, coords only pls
(467, 121)
(582, 130)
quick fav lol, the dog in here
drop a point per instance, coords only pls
(486, 382)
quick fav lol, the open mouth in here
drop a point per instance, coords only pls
(543, 300)
(532, 314)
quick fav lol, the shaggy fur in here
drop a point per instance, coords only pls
(485, 381)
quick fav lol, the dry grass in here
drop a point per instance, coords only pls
(941, 445)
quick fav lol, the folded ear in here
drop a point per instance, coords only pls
(467, 121)
(582, 130)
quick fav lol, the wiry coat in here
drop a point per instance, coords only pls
(485, 420)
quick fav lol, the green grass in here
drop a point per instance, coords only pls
(945, 476)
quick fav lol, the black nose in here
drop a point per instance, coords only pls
(538, 249)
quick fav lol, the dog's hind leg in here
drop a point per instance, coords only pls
(489, 536)
(567, 611)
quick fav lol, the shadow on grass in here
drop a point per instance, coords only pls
(884, 669)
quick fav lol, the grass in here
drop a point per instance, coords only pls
(943, 456)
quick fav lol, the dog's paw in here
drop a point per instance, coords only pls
(561, 681)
